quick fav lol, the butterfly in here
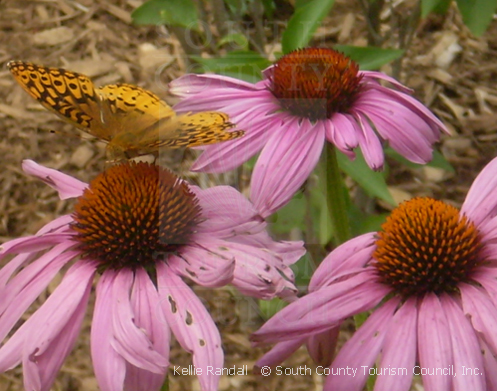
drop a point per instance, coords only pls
(132, 120)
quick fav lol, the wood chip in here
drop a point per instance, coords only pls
(53, 37)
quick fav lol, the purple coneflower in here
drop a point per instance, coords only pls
(429, 278)
(142, 230)
(308, 97)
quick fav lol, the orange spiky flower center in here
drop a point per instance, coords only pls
(315, 83)
(427, 246)
(134, 214)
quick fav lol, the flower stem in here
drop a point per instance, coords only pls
(336, 196)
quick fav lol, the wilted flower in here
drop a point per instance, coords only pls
(429, 278)
(309, 96)
(142, 230)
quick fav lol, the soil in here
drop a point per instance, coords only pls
(450, 71)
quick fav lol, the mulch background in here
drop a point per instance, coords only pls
(451, 72)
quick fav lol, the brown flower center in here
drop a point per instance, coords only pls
(315, 82)
(427, 246)
(133, 214)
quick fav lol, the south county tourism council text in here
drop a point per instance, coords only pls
(450, 370)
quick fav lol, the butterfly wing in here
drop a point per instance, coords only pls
(129, 108)
(188, 130)
(70, 95)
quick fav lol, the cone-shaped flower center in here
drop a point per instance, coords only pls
(427, 246)
(315, 82)
(133, 214)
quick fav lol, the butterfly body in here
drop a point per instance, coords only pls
(132, 120)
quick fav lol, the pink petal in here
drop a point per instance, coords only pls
(129, 340)
(203, 267)
(465, 348)
(285, 163)
(229, 155)
(342, 131)
(108, 365)
(372, 76)
(490, 366)
(227, 213)
(370, 144)
(27, 285)
(257, 271)
(482, 312)
(481, 203)
(67, 186)
(35, 243)
(145, 301)
(279, 353)
(52, 331)
(399, 349)
(191, 84)
(361, 351)
(321, 347)
(434, 343)
(348, 258)
(321, 310)
(191, 324)
(58, 225)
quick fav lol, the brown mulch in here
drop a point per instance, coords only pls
(97, 38)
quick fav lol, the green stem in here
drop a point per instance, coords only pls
(336, 196)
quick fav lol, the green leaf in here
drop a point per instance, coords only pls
(237, 38)
(369, 58)
(173, 12)
(269, 308)
(439, 6)
(477, 14)
(290, 216)
(304, 23)
(438, 160)
(269, 8)
(245, 65)
(371, 181)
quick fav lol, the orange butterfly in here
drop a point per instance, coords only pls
(133, 121)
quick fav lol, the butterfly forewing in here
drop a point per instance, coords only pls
(70, 95)
(134, 121)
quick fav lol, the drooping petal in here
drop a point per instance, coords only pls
(482, 312)
(52, 331)
(321, 347)
(67, 186)
(480, 203)
(191, 324)
(434, 343)
(370, 144)
(145, 301)
(227, 213)
(35, 243)
(399, 349)
(280, 352)
(466, 351)
(284, 164)
(129, 340)
(348, 258)
(321, 310)
(342, 131)
(23, 289)
(258, 272)
(109, 366)
(490, 363)
(360, 352)
(203, 267)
